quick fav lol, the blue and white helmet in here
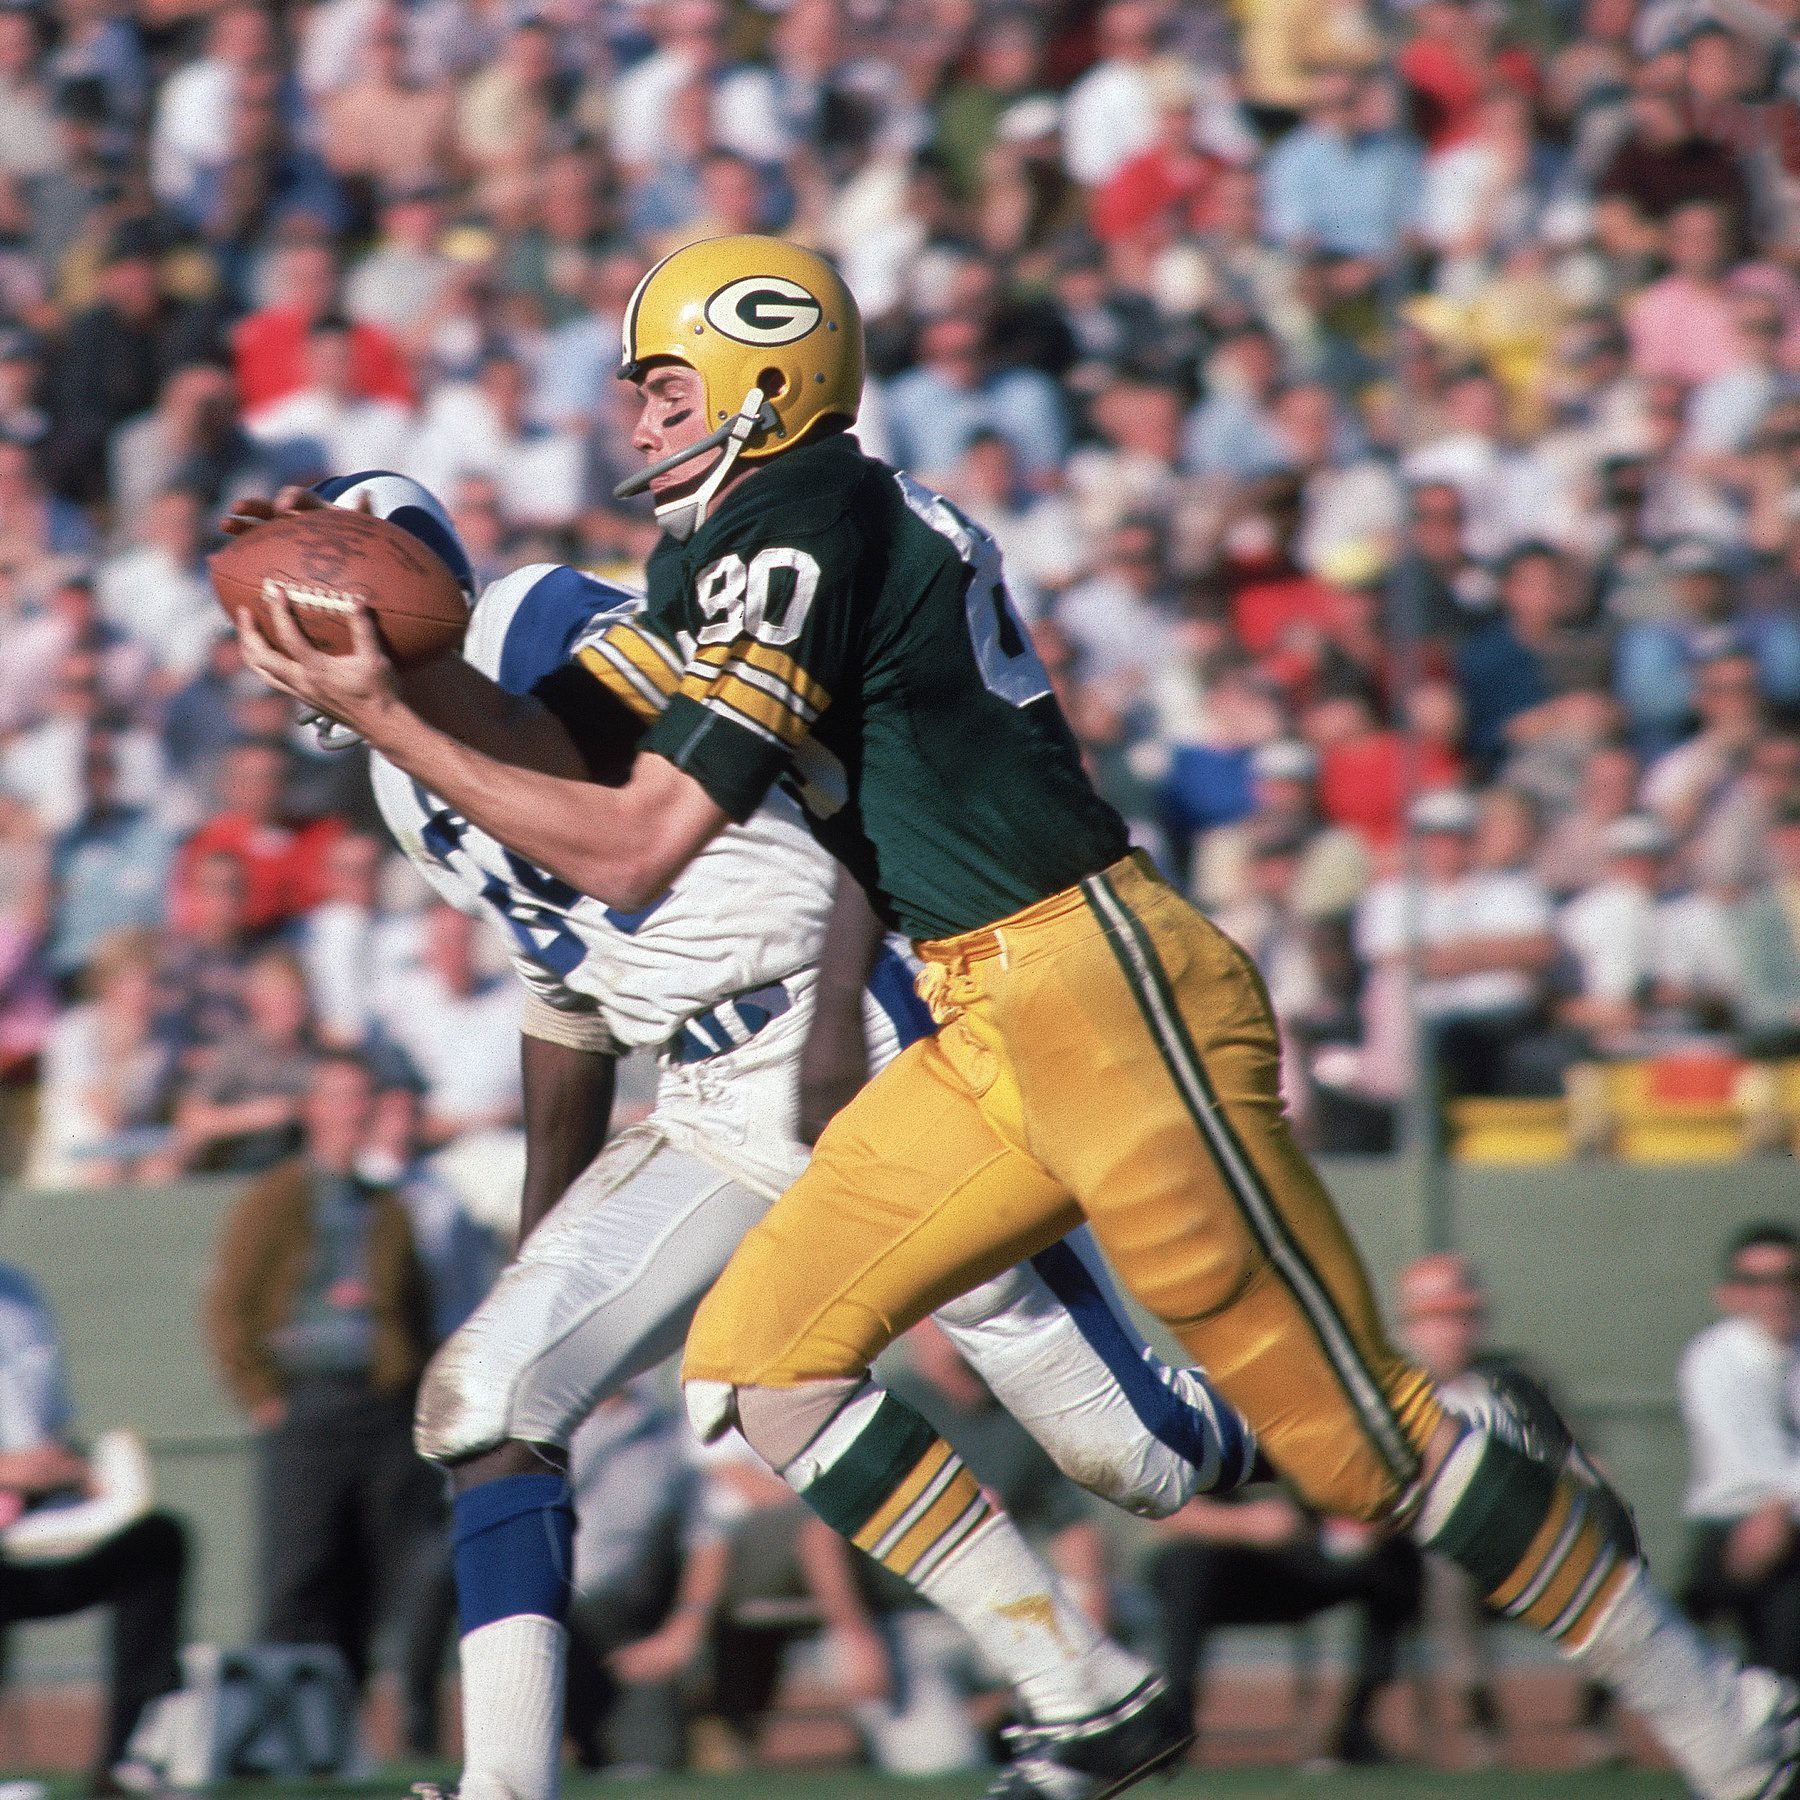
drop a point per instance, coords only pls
(410, 505)
(414, 508)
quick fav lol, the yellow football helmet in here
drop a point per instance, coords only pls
(775, 337)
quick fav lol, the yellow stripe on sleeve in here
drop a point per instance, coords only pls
(758, 655)
(645, 654)
(765, 709)
(617, 683)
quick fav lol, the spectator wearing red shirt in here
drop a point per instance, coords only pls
(1451, 64)
(268, 348)
(282, 862)
(1166, 190)
(1362, 768)
(1287, 617)
(1283, 617)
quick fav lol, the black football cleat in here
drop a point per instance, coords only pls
(1101, 1755)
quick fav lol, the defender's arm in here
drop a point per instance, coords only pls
(568, 1106)
(834, 1061)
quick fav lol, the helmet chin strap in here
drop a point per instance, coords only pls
(683, 517)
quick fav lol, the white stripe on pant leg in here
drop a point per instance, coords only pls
(1246, 1185)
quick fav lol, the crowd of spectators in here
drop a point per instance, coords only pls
(1378, 406)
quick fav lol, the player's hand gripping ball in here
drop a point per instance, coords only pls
(327, 560)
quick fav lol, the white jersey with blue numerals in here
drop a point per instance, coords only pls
(748, 911)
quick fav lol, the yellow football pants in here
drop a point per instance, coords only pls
(1106, 1052)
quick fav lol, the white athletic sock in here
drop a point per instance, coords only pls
(512, 1707)
(998, 1590)
(1710, 1714)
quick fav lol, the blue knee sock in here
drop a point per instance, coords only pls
(513, 1541)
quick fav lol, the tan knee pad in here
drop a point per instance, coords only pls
(777, 1423)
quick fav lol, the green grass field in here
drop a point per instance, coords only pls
(1211, 1784)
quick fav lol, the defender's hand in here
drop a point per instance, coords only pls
(252, 510)
(357, 688)
(834, 1064)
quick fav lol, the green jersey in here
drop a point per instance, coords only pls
(836, 626)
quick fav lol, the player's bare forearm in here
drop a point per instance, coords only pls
(568, 1106)
(622, 844)
(458, 699)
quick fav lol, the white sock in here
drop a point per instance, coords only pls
(1711, 1715)
(996, 1588)
(512, 1707)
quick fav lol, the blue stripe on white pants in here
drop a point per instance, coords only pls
(1170, 1418)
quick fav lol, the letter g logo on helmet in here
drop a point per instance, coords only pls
(763, 309)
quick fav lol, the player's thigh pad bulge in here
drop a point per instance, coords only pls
(602, 1290)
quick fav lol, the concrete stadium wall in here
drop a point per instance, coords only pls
(1599, 1272)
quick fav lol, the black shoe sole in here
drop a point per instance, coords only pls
(1160, 1763)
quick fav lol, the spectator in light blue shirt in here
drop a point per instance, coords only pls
(1346, 181)
(935, 409)
(1232, 431)
(1658, 658)
(109, 869)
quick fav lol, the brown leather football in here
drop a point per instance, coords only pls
(327, 560)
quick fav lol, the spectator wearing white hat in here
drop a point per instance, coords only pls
(1483, 939)
(1333, 861)
(1624, 935)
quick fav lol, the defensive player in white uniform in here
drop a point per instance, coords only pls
(720, 977)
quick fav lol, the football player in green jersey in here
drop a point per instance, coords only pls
(816, 617)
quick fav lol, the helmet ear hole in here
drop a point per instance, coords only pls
(773, 383)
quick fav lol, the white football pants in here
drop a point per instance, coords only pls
(606, 1285)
